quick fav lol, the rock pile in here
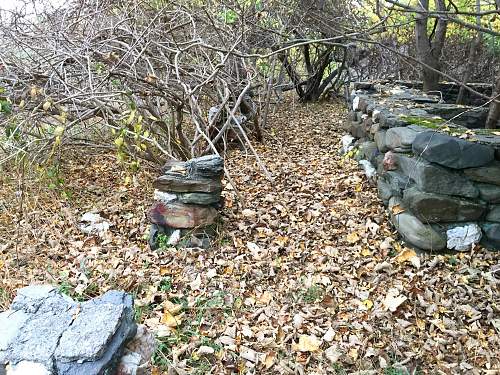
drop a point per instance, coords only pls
(187, 197)
(440, 179)
(47, 333)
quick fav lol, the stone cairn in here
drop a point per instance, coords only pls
(438, 173)
(47, 333)
(187, 197)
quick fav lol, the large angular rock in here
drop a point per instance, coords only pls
(494, 214)
(434, 208)
(177, 183)
(489, 193)
(413, 231)
(435, 179)
(450, 151)
(180, 215)
(96, 340)
(489, 174)
(46, 332)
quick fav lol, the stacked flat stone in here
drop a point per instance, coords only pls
(442, 191)
(187, 197)
(47, 333)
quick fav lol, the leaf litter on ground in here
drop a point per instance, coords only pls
(307, 278)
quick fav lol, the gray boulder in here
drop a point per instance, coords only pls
(489, 174)
(450, 151)
(433, 208)
(413, 231)
(435, 179)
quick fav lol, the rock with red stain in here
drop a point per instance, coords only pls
(390, 161)
(180, 215)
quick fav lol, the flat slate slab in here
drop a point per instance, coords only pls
(451, 152)
(177, 183)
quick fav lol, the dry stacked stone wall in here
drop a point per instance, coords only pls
(435, 168)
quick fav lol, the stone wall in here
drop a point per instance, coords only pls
(438, 175)
(187, 197)
(47, 333)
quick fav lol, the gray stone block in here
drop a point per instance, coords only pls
(450, 151)
(433, 208)
(491, 238)
(489, 174)
(400, 139)
(413, 231)
(380, 140)
(368, 151)
(489, 193)
(358, 130)
(206, 166)
(435, 179)
(494, 214)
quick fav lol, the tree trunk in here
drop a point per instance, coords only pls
(472, 57)
(494, 112)
(429, 51)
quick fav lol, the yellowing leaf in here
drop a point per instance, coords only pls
(265, 298)
(420, 324)
(408, 255)
(46, 106)
(307, 344)
(164, 270)
(352, 237)
(366, 252)
(269, 360)
(368, 303)
(119, 141)
(397, 209)
(171, 307)
(169, 320)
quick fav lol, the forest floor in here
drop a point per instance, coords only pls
(306, 277)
